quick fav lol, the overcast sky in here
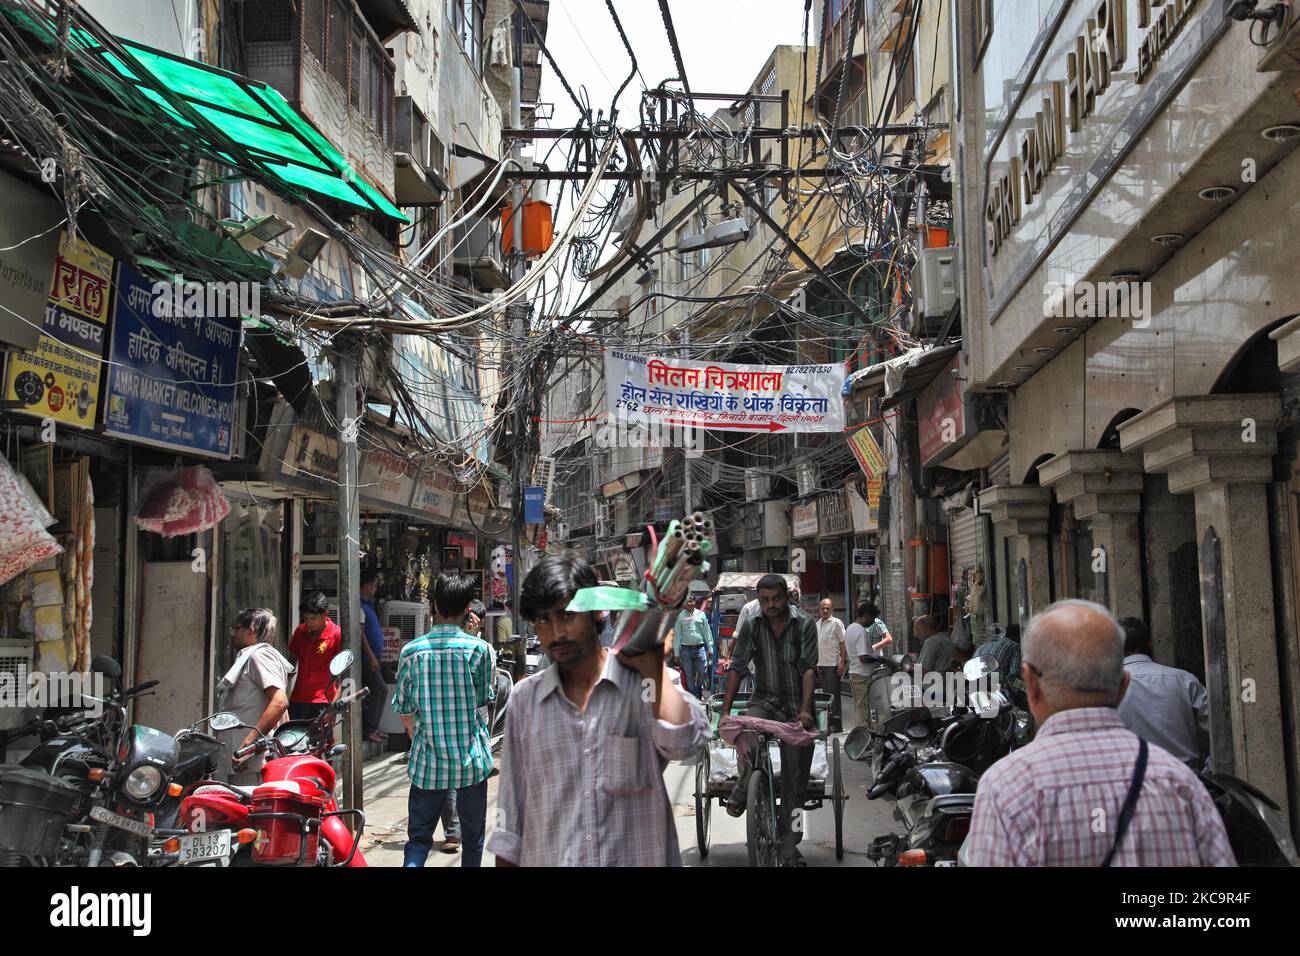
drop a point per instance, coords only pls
(724, 44)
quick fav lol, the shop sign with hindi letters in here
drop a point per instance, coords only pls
(717, 395)
(60, 378)
(172, 379)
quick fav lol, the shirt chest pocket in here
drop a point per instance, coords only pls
(618, 766)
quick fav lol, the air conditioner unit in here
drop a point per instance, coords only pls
(411, 618)
(546, 476)
(756, 485)
(934, 282)
(806, 475)
(561, 532)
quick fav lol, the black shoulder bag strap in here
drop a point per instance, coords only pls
(1130, 802)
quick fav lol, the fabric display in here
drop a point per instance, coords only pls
(24, 541)
(183, 502)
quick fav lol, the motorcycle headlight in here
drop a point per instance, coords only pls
(143, 782)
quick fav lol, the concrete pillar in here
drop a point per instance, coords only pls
(1219, 448)
(1105, 488)
(1022, 511)
(1120, 534)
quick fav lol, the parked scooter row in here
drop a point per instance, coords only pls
(933, 767)
(101, 791)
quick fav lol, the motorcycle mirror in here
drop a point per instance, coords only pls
(107, 666)
(223, 721)
(978, 667)
(341, 662)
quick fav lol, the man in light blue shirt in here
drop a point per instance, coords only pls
(693, 646)
(1163, 705)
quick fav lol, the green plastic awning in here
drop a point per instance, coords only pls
(238, 120)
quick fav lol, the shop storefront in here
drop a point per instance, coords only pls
(1144, 347)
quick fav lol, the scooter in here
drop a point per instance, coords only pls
(936, 784)
(291, 818)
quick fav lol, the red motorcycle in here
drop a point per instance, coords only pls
(291, 817)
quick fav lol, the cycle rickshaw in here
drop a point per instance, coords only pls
(761, 817)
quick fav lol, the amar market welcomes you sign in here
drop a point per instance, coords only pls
(172, 379)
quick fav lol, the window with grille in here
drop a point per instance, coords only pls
(314, 18)
(270, 21)
(337, 36)
(754, 111)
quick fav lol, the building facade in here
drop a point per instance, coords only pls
(1120, 248)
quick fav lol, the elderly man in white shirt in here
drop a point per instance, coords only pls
(831, 659)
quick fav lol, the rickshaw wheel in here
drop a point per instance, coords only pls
(703, 805)
(837, 801)
(762, 839)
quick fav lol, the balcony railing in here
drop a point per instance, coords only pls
(326, 60)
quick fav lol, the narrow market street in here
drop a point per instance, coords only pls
(386, 788)
(383, 381)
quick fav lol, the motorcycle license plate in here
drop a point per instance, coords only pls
(214, 845)
(945, 862)
(121, 822)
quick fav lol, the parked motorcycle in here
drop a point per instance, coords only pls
(291, 818)
(936, 784)
(504, 686)
(90, 792)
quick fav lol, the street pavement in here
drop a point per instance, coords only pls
(386, 788)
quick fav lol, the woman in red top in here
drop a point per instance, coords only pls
(314, 643)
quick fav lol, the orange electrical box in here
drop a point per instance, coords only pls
(539, 231)
(936, 237)
(938, 568)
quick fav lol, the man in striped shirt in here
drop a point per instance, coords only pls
(779, 647)
(1060, 800)
(587, 741)
(443, 679)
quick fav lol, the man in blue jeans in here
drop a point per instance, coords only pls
(443, 679)
(693, 646)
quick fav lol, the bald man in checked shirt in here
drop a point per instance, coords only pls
(1041, 805)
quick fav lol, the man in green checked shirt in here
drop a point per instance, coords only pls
(443, 679)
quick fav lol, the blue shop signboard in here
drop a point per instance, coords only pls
(175, 357)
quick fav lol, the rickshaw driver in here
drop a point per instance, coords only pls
(781, 646)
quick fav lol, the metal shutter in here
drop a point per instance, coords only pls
(963, 541)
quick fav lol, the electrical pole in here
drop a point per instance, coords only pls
(349, 538)
(518, 331)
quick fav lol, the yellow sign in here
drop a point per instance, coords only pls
(873, 494)
(59, 379)
(867, 452)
